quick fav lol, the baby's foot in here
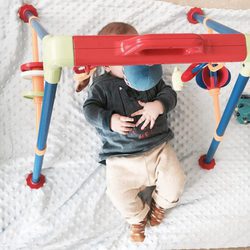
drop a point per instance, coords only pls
(156, 215)
(137, 231)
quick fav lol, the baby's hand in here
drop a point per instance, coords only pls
(149, 113)
(81, 85)
(121, 124)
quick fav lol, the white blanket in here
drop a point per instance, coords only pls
(72, 211)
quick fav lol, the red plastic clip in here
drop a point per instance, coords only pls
(187, 75)
(83, 69)
(31, 66)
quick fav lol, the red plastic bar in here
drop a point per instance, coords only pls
(158, 49)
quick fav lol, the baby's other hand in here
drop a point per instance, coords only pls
(81, 85)
(149, 113)
(121, 124)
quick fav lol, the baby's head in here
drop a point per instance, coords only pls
(117, 28)
(139, 77)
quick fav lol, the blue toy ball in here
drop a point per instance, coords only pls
(142, 77)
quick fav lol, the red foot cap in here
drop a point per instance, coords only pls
(205, 165)
(33, 185)
(190, 14)
(23, 9)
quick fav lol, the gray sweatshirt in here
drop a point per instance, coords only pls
(108, 95)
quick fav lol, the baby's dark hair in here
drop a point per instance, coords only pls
(114, 28)
(117, 28)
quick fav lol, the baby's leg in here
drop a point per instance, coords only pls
(126, 177)
(170, 179)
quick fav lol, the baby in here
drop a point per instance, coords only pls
(133, 127)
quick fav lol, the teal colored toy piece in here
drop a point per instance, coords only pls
(142, 77)
(242, 110)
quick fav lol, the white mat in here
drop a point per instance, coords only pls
(72, 211)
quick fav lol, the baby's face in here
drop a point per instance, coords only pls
(115, 70)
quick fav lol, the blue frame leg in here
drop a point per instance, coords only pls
(47, 107)
(228, 112)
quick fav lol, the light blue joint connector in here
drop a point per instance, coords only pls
(220, 28)
(41, 32)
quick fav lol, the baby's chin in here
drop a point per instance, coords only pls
(117, 75)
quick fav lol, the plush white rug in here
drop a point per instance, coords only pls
(72, 211)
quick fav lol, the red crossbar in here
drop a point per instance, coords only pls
(158, 49)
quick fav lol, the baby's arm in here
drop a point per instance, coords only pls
(97, 115)
(121, 124)
(94, 108)
(166, 95)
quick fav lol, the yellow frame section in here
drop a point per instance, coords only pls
(58, 52)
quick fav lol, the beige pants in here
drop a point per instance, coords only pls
(128, 175)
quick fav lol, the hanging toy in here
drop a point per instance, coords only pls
(213, 81)
(179, 78)
(210, 76)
